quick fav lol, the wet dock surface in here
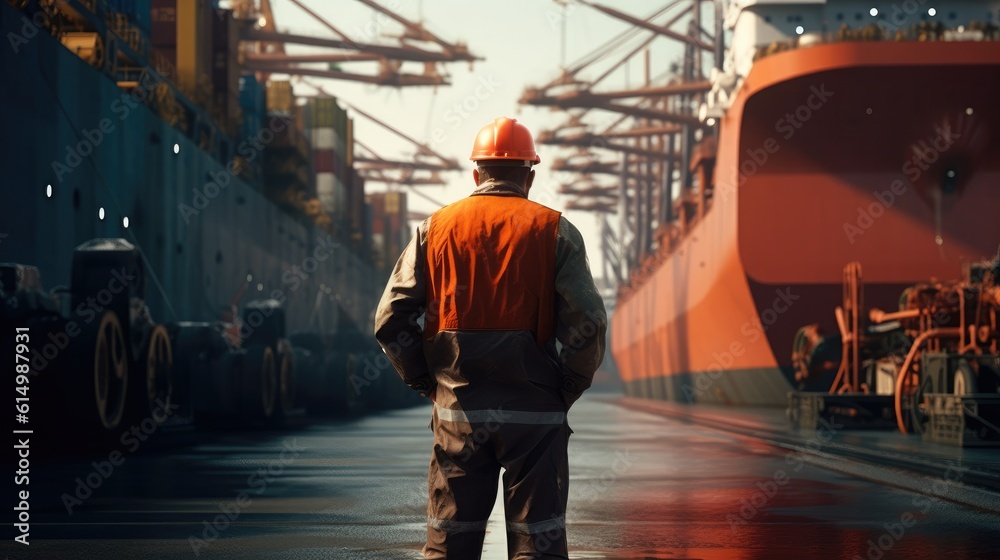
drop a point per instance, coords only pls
(643, 486)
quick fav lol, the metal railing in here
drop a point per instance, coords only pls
(922, 32)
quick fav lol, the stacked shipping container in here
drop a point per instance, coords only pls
(280, 99)
(389, 227)
(182, 31)
(357, 223)
(163, 30)
(226, 69)
(201, 45)
(286, 150)
(338, 187)
(253, 103)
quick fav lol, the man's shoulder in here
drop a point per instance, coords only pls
(463, 205)
(569, 232)
(541, 208)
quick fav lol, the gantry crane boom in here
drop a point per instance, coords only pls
(596, 102)
(589, 190)
(654, 133)
(588, 140)
(387, 79)
(642, 131)
(325, 58)
(681, 88)
(409, 181)
(566, 77)
(423, 148)
(416, 31)
(408, 53)
(390, 57)
(320, 19)
(406, 170)
(590, 167)
(592, 206)
(362, 162)
(662, 30)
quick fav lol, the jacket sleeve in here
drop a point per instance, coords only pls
(581, 320)
(403, 302)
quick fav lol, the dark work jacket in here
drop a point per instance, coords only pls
(511, 318)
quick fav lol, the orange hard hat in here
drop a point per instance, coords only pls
(505, 139)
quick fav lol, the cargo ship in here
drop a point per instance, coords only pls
(835, 132)
(178, 230)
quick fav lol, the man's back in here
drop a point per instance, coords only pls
(491, 252)
(490, 289)
(500, 281)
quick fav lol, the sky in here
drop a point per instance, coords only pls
(522, 43)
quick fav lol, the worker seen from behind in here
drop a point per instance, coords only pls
(513, 331)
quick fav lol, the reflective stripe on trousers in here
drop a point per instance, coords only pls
(451, 527)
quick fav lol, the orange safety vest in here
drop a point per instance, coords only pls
(491, 266)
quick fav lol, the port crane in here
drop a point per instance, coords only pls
(656, 131)
(378, 169)
(389, 58)
(272, 58)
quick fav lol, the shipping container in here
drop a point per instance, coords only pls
(396, 209)
(334, 194)
(377, 203)
(163, 24)
(225, 66)
(163, 37)
(181, 31)
(194, 40)
(327, 139)
(286, 136)
(322, 138)
(401, 230)
(325, 112)
(329, 161)
(252, 102)
(252, 97)
(340, 194)
(356, 204)
(320, 112)
(280, 98)
(340, 122)
(300, 117)
(323, 161)
(340, 169)
(366, 230)
(390, 231)
(324, 191)
(349, 140)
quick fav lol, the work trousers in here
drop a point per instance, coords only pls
(470, 448)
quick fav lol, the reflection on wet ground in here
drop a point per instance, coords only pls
(642, 487)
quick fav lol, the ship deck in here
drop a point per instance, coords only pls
(648, 480)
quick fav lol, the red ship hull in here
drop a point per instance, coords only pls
(878, 152)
